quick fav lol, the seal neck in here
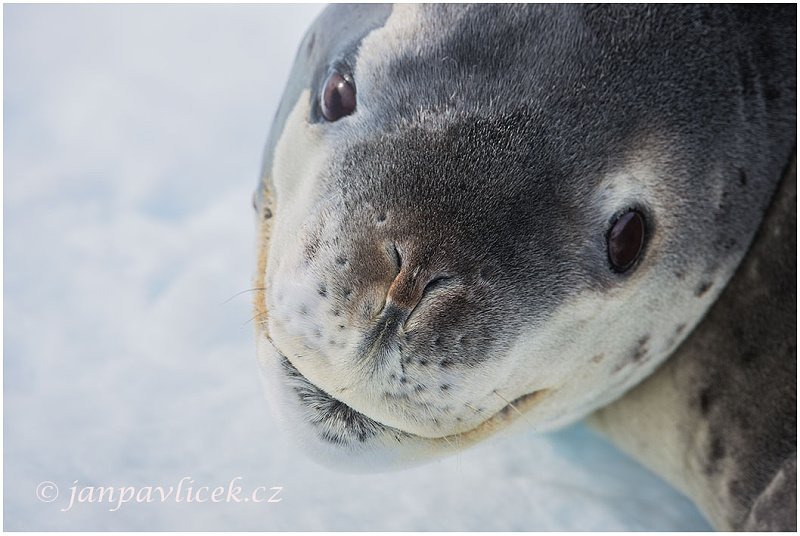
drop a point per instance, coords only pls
(718, 419)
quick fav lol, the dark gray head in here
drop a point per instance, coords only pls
(471, 206)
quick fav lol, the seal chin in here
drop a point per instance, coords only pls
(335, 434)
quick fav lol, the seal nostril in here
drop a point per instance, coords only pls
(394, 254)
(436, 283)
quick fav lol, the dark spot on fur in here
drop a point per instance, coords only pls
(680, 329)
(336, 312)
(267, 213)
(706, 399)
(346, 293)
(641, 349)
(742, 177)
(312, 248)
(381, 217)
(486, 273)
(341, 261)
(423, 362)
(738, 489)
(444, 387)
(322, 291)
(310, 45)
(702, 288)
(437, 341)
(445, 363)
(303, 309)
(772, 93)
(716, 453)
(598, 358)
(748, 356)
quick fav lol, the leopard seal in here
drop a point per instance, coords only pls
(472, 218)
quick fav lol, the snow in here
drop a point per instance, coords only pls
(133, 138)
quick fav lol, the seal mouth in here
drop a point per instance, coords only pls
(338, 424)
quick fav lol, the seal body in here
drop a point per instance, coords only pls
(436, 255)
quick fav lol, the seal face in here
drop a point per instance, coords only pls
(470, 213)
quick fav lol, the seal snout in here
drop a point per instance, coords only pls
(413, 285)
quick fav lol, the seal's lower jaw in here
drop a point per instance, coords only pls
(337, 435)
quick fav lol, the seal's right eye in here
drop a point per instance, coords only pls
(338, 97)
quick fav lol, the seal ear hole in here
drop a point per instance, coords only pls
(625, 240)
(338, 97)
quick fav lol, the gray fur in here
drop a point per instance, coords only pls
(432, 252)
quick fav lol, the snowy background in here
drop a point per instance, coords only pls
(132, 145)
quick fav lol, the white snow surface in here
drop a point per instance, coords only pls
(133, 139)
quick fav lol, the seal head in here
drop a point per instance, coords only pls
(473, 213)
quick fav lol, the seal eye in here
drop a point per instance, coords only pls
(338, 98)
(625, 241)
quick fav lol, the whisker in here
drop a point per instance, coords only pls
(262, 313)
(512, 406)
(473, 409)
(240, 293)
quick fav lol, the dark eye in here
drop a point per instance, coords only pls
(338, 98)
(625, 241)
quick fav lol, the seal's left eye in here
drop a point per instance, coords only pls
(338, 98)
(625, 241)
